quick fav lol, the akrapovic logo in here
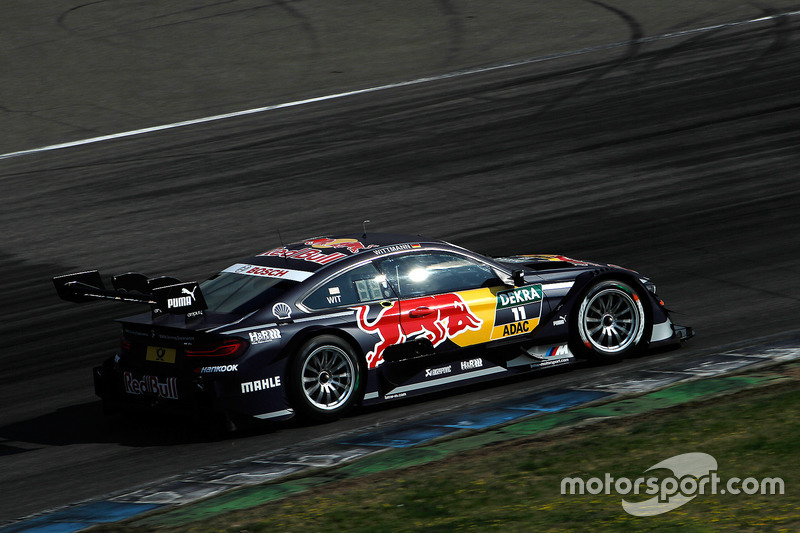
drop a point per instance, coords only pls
(182, 301)
(429, 372)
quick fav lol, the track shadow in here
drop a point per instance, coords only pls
(86, 424)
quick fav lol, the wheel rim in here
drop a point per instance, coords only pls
(611, 320)
(328, 377)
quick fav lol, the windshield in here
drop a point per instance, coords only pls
(232, 293)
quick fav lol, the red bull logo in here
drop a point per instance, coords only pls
(351, 245)
(436, 318)
(314, 253)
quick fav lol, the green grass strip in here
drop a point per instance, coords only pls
(399, 458)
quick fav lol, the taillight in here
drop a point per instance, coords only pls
(229, 348)
(124, 344)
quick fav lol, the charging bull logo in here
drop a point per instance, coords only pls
(351, 245)
(436, 318)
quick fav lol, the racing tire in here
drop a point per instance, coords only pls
(325, 379)
(610, 322)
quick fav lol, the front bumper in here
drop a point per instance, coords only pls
(667, 333)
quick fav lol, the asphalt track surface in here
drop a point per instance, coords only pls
(677, 157)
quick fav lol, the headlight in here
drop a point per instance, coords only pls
(649, 285)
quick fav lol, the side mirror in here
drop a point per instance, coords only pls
(518, 276)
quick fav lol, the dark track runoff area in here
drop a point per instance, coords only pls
(676, 157)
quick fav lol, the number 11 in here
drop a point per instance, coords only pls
(519, 313)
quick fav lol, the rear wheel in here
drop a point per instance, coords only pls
(325, 378)
(610, 322)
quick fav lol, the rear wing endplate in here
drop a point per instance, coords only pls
(165, 295)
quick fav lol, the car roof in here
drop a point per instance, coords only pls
(313, 254)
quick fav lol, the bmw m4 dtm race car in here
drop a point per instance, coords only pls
(317, 327)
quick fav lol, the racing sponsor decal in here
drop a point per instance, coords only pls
(519, 296)
(265, 335)
(517, 311)
(351, 245)
(393, 396)
(395, 248)
(528, 258)
(334, 295)
(155, 335)
(268, 272)
(305, 254)
(218, 369)
(436, 318)
(472, 364)
(150, 385)
(555, 362)
(560, 351)
(187, 300)
(386, 325)
(160, 355)
(261, 384)
(314, 255)
(513, 259)
(134, 333)
(575, 262)
(538, 258)
(431, 372)
(178, 298)
(282, 311)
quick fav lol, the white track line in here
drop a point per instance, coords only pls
(418, 81)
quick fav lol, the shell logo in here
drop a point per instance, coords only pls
(282, 311)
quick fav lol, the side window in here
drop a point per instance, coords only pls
(359, 285)
(436, 273)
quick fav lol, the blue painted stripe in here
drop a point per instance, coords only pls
(555, 400)
(476, 418)
(79, 517)
(400, 437)
(29, 527)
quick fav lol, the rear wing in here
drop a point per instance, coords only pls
(165, 295)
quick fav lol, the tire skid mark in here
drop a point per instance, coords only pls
(783, 31)
(62, 18)
(400, 84)
(632, 49)
(455, 29)
(687, 45)
(305, 22)
(161, 21)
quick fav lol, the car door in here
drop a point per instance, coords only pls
(365, 290)
(447, 298)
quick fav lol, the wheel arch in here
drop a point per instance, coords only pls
(587, 280)
(304, 335)
(296, 345)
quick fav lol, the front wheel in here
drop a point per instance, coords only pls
(610, 322)
(325, 378)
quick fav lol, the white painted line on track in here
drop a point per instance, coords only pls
(418, 81)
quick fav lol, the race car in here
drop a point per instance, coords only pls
(319, 326)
